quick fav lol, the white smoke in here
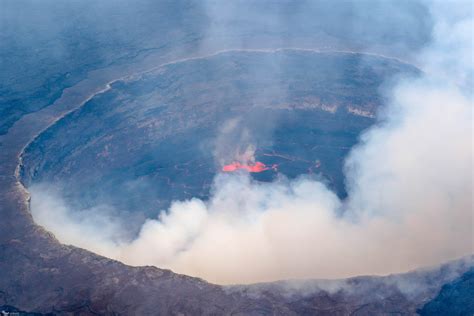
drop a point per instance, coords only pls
(232, 132)
(409, 183)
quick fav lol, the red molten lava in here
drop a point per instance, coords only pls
(256, 167)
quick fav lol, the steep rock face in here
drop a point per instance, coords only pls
(39, 275)
(455, 298)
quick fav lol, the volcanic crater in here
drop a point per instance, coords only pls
(164, 134)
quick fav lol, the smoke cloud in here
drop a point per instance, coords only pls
(409, 183)
(231, 133)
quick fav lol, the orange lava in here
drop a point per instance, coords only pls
(256, 167)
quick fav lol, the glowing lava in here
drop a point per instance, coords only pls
(256, 167)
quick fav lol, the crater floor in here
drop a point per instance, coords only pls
(163, 135)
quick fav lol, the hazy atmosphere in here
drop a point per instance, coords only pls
(246, 141)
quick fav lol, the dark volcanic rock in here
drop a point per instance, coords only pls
(48, 277)
(455, 298)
